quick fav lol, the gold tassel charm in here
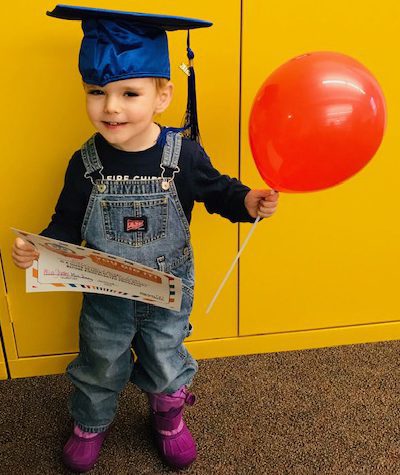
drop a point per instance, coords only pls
(185, 69)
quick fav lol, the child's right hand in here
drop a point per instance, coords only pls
(23, 253)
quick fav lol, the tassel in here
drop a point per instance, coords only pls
(191, 124)
(190, 127)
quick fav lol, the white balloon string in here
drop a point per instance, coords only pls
(233, 264)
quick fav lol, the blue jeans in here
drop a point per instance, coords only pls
(106, 364)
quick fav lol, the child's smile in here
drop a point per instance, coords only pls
(114, 125)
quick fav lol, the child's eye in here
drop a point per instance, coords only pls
(96, 92)
(131, 94)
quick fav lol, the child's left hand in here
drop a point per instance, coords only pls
(262, 203)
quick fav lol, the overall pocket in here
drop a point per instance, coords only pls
(135, 222)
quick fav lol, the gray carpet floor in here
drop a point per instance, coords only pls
(326, 411)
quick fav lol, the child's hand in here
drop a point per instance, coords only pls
(261, 203)
(23, 253)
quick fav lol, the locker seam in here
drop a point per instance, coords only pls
(4, 275)
(240, 159)
(5, 355)
(9, 317)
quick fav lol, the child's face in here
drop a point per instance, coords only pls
(123, 111)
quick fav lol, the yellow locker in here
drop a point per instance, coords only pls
(327, 260)
(323, 271)
(46, 123)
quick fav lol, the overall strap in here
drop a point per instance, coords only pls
(170, 157)
(91, 159)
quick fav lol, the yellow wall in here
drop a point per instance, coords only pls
(328, 259)
(322, 272)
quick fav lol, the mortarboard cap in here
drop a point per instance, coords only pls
(122, 45)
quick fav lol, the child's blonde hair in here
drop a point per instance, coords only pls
(160, 83)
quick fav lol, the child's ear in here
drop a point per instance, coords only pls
(164, 98)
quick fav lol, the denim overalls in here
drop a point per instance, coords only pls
(142, 220)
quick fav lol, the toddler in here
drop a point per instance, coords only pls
(129, 191)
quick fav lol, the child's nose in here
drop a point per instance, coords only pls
(112, 105)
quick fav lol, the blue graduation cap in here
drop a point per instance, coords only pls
(121, 45)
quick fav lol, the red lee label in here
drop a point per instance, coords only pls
(135, 224)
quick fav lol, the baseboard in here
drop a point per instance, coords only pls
(245, 345)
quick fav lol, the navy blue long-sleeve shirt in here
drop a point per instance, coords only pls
(197, 180)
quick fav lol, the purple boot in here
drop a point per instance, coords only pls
(174, 441)
(82, 450)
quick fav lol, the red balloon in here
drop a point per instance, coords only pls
(316, 121)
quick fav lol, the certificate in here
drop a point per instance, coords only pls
(67, 267)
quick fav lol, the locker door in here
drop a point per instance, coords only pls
(46, 122)
(327, 259)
